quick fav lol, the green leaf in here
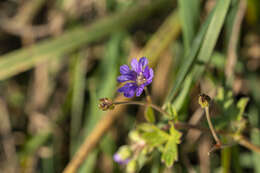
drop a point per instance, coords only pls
(175, 134)
(173, 115)
(242, 106)
(230, 112)
(149, 115)
(170, 153)
(153, 136)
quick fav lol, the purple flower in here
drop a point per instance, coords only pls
(123, 155)
(117, 158)
(139, 76)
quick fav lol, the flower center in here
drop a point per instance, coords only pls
(140, 79)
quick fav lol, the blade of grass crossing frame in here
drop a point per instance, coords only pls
(78, 88)
(189, 18)
(190, 58)
(211, 36)
(211, 31)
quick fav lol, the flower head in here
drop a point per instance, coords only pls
(123, 155)
(136, 78)
(204, 100)
(106, 104)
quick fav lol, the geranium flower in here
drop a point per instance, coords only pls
(136, 78)
(123, 155)
(117, 158)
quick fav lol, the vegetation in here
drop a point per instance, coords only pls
(129, 86)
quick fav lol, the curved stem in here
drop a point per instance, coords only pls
(211, 126)
(143, 104)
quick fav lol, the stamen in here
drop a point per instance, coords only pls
(140, 79)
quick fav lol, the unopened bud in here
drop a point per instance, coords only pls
(204, 100)
(134, 136)
(123, 155)
(132, 166)
(106, 104)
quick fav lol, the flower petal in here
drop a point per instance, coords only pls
(148, 82)
(126, 77)
(142, 63)
(151, 74)
(124, 69)
(139, 90)
(134, 64)
(146, 72)
(130, 93)
(124, 88)
(119, 160)
(128, 89)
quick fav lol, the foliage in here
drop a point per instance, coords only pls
(59, 106)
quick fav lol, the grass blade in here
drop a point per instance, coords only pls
(190, 59)
(78, 89)
(211, 30)
(212, 34)
(189, 15)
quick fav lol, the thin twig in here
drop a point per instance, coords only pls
(245, 142)
(211, 126)
(144, 104)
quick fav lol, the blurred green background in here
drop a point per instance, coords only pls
(58, 57)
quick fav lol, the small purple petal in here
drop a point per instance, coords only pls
(139, 90)
(124, 69)
(134, 64)
(151, 74)
(146, 72)
(148, 82)
(119, 160)
(125, 88)
(126, 77)
(142, 63)
(128, 89)
(130, 93)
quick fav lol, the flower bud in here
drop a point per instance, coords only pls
(134, 136)
(204, 100)
(106, 104)
(123, 155)
(132, 166)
